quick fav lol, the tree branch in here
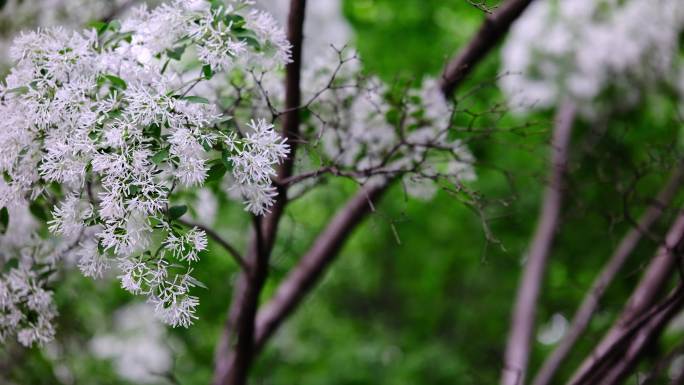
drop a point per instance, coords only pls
(653, 281)
(314, 263)
(518, 346)
(620, 357)
(493, 29)
(591, 301)
(232, 365)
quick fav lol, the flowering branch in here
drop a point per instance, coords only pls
(232, 364)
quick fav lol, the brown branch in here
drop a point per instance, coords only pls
(591, 301)
(493, 29)
(242, 354)
(314, 263)
(620, 357)
(522, 324)
(232, 365)
(653, 281)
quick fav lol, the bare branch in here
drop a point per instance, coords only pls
(621, 355)
(522, 324)
(314, 263)
(493, 29)
(653, 281)
(591, 301)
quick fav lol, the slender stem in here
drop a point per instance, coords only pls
(522, 324)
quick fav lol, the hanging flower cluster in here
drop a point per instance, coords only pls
(100, 128)
(584, 49)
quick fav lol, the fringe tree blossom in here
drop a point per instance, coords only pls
(586, 48)
(100, 128)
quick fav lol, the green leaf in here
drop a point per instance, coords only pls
(154, 130)
(175, 53)
(235, 21)
(176, 212)
(4, 220)
(99, 26)
(196, 99)
(249, 37)
(133, 189)
(116, 81)
(114, 25)
(207, 71)
(195, 282)
(216, 172)
(38, 211)
(161, 156)
(18, 90)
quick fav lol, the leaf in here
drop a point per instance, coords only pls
(249, 37)
(195, 282)
(154, 130)
(161, 156)
(235, 21)
(176, 212)
(38, 211)
(2, 4)
(216, 173)
(175, 53)
(116, 81)
(133, 189)
(4, 220)
(207, 71)
(196, 99)
(99, 26)
(18, 90)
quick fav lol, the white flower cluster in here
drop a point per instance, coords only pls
(26, 307)
(254, 159)
(19, 15)
(99, 128)
(583, 49)
(409, 137)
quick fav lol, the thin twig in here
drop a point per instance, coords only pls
(221, 241)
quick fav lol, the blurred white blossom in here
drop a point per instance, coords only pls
(583, 49)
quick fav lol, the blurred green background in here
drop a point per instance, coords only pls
(422, 293)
